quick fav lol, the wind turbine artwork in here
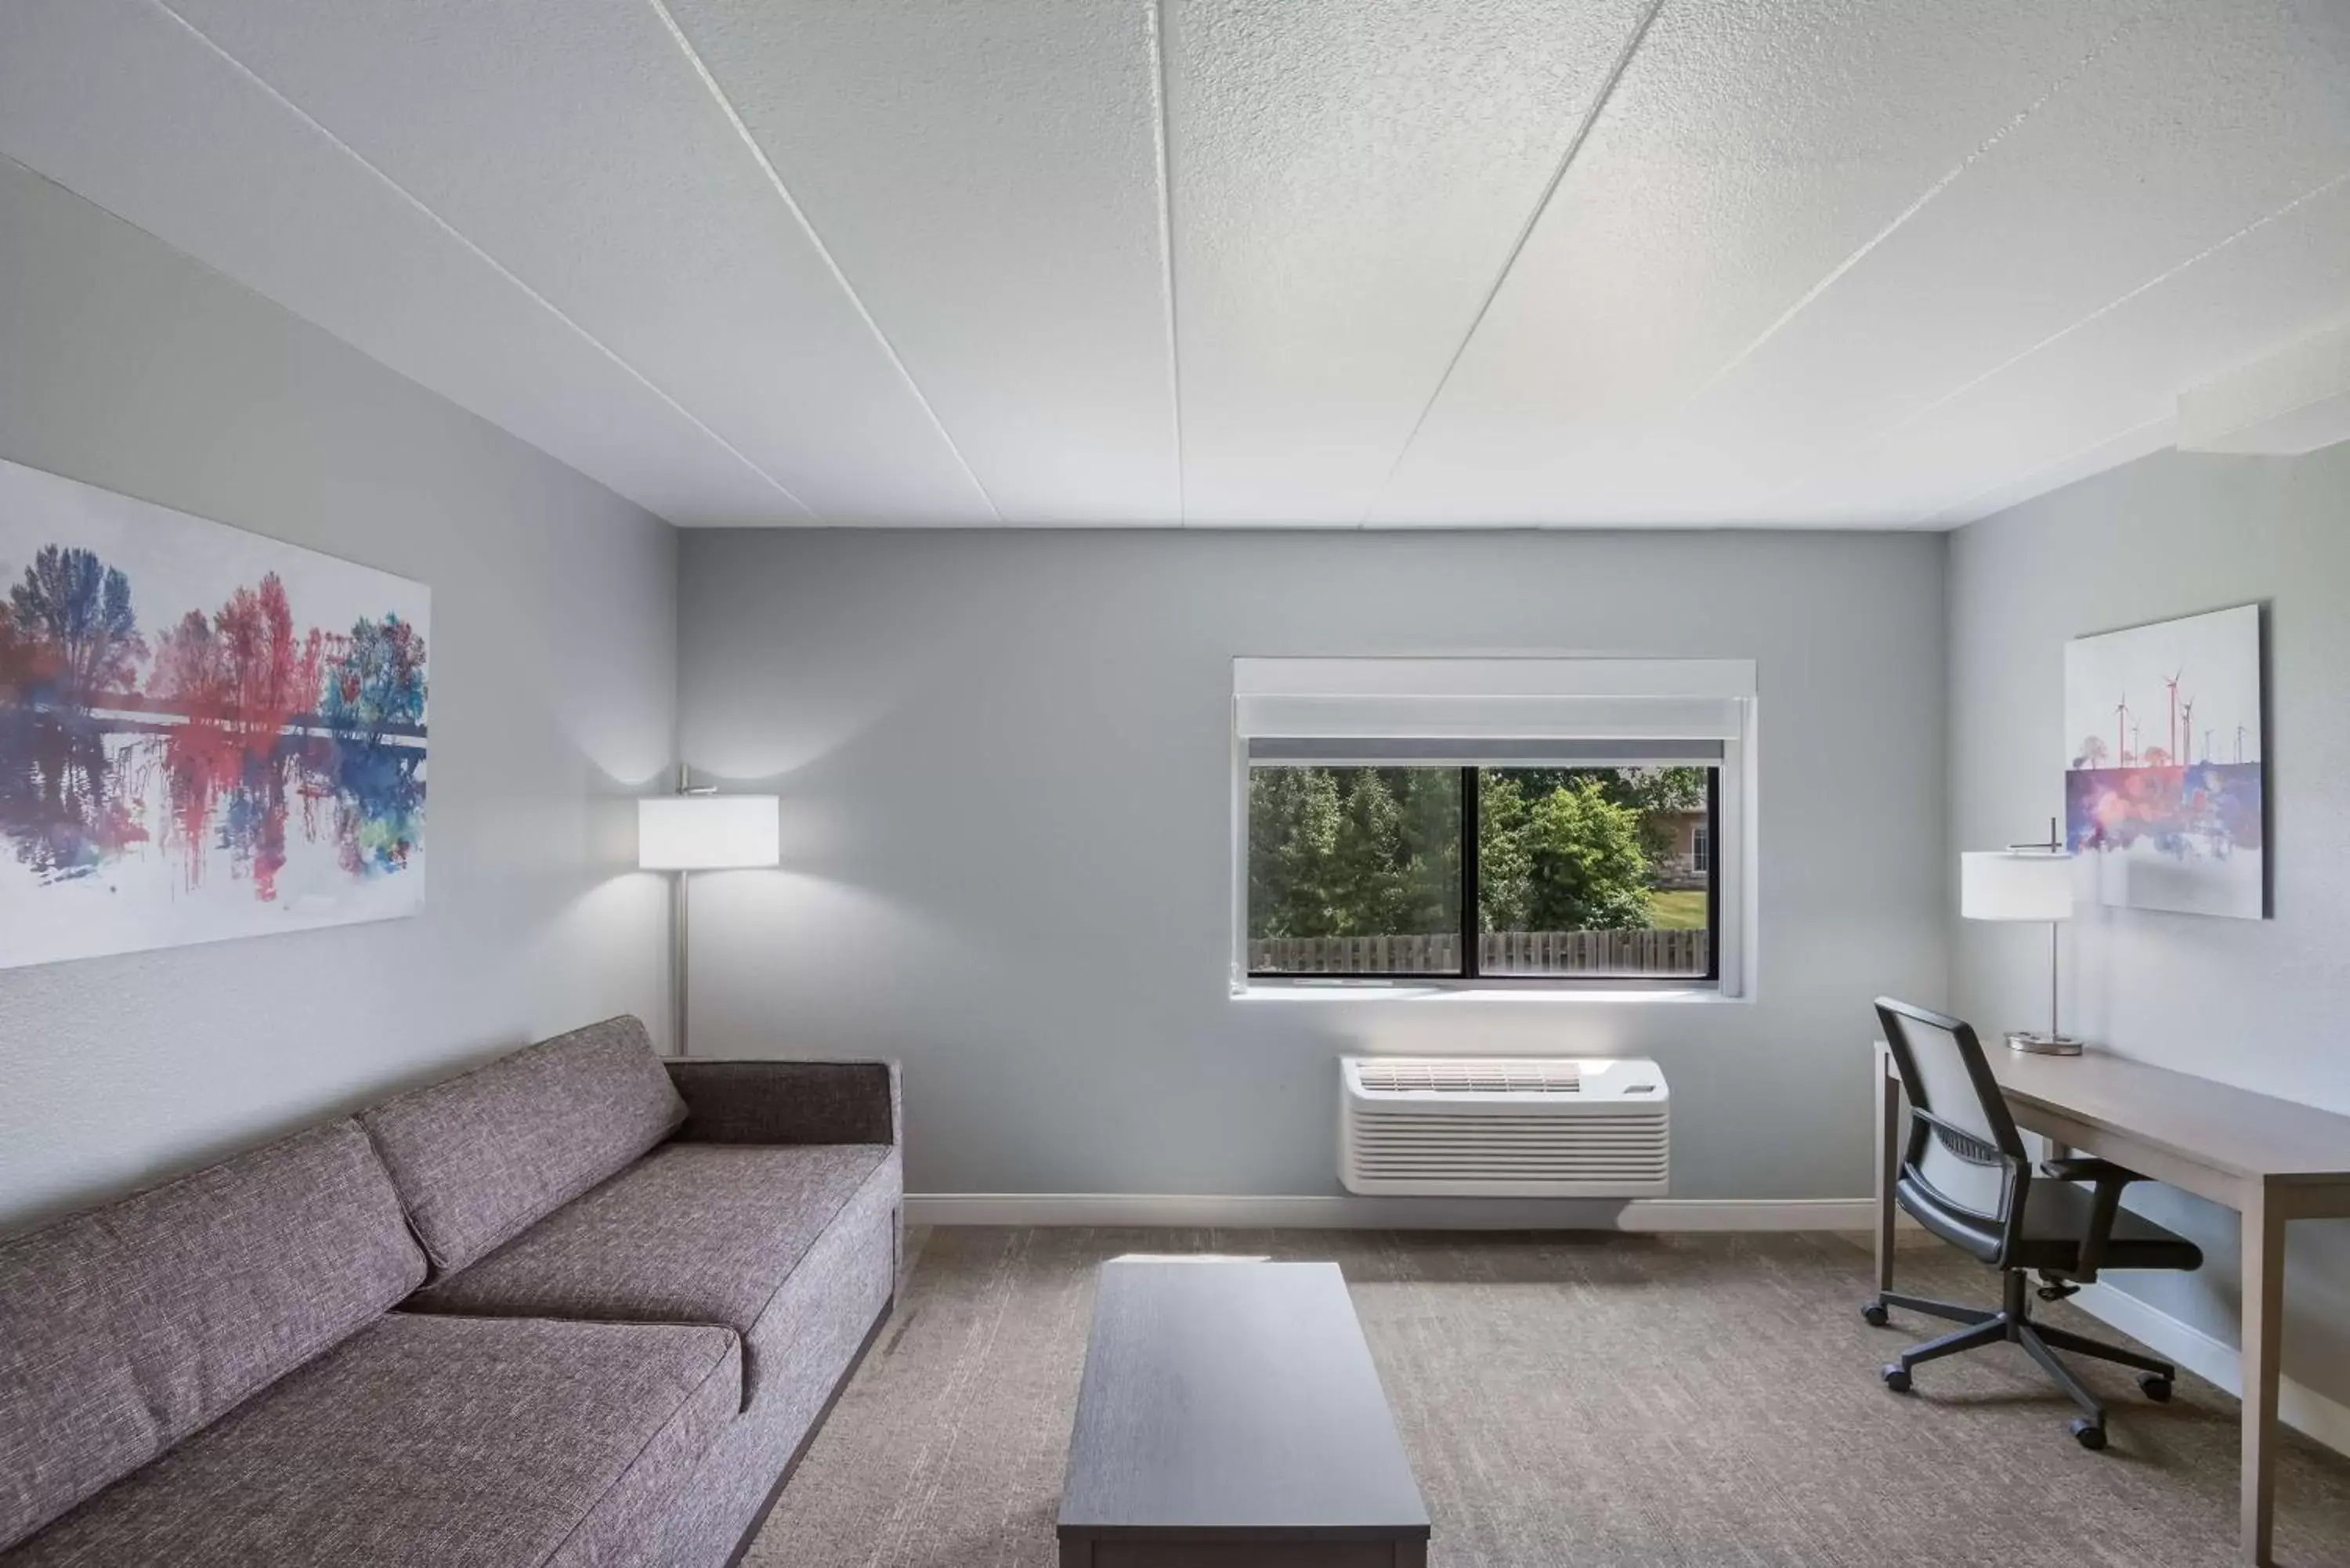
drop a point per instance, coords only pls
(2155, 824)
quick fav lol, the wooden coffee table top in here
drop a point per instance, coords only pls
(1233, 1395)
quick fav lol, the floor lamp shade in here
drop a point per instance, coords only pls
(2015, 885)
(708, 832)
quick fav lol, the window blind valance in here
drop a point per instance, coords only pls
(1593, 711)
(1371, 751)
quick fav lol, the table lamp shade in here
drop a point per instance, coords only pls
(708, 832)
(2015, 885)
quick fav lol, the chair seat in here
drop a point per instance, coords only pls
(2057, 1215)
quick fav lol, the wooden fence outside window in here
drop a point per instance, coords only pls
(1675, 953)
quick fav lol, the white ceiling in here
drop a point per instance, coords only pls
(1395, 262)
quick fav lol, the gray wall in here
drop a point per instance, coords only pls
(1006, 761)
(2258, 1003)
(126, 365)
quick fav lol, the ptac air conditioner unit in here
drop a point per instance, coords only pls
(1503, 1127)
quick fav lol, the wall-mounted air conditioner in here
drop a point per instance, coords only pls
(1502, 1127)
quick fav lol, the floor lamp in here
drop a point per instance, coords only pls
(2026, 882)
(698, 829)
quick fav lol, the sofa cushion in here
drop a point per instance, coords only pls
(480, 1157)
(125, 1328)
(815, 1329)
(430, 1440)
(693, 1234)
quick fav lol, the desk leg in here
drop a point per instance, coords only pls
(1888, 1151)
(2262, 1364)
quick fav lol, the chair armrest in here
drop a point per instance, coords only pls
(2110, 1179)
(762, 1101)
(1966, 1144)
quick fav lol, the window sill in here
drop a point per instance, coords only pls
(1425, 992)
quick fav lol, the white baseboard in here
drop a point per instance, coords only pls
(2214, 1360)
(1305, 1211)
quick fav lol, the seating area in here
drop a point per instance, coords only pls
(642, 1295)
(1163, 784)
(1966, 1177)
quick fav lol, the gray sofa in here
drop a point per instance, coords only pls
(580, 1305)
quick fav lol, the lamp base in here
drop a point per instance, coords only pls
(2033, 1045)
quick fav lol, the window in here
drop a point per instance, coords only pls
(1481, 872)
(1565, 822)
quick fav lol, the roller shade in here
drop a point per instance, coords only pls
(1543, 711)
(1375, 752)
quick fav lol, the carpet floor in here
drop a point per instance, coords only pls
(1596, 1400)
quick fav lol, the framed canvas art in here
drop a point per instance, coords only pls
(204, 733)
(2165, 795)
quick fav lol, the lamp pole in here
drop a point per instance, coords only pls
(2055, 968)
(2053, 845)
(679, 905)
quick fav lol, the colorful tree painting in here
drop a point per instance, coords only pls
(238, 681)
(74, 611)
(229, 766)
(74, 645)
(375, 692)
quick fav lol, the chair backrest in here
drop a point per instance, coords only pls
(1963, 1144)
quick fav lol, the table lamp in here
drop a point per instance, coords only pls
(698, 829)
(2026, 882)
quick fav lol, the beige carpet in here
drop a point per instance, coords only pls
(1600, 1401)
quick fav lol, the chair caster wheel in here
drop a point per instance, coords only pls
(1897, 1377)
(2157, 1386)
(2090, 1435)
(1877, 1316)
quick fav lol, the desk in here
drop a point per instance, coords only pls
(2271, 1160)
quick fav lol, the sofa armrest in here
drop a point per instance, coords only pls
(757, 1100)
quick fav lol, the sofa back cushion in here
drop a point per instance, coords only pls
(126, 1328)
(480, 1157)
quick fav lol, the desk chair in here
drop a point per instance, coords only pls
(1964, 1176)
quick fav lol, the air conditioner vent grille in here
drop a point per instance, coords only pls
(1505, 1127)
(1404, 1076)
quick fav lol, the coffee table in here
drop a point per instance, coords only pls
(1230, 1417)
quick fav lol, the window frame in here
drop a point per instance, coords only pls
(1571, 697)
(1472, 913)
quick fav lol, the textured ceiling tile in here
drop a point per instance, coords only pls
(2197, 123)
(1350, 177)
(2106, 390)
(573, 140)
(987, 175)
(112, 100)
(1751, 151)
(1866, 262)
